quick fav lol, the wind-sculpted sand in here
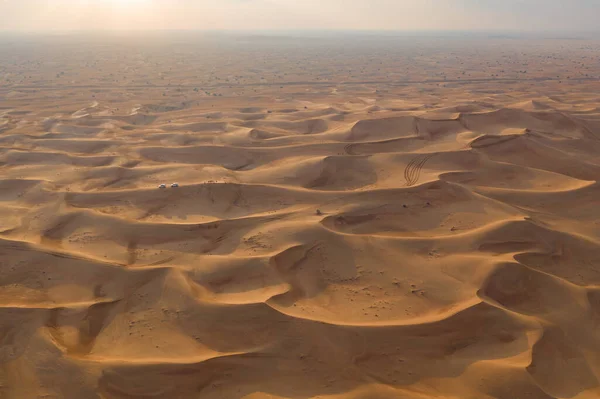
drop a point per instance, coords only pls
(338, 237)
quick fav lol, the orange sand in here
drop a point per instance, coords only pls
(356, 219)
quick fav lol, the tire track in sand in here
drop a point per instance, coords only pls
(412, 172)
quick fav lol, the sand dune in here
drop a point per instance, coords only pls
(406, 227)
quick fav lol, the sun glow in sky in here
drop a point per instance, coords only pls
(123, 2)
(113, 3)
(525, 15)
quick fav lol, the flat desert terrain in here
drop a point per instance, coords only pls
(360, 217)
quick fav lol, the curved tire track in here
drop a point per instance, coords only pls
(412, 172)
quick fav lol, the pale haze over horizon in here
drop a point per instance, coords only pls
(409, 15)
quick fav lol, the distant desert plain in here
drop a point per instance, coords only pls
(356, 217)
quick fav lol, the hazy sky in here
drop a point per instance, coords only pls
(526, 15)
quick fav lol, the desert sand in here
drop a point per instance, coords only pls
(356, 218)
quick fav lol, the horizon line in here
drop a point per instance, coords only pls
(312, 30)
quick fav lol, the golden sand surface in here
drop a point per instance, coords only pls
(361, 217)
